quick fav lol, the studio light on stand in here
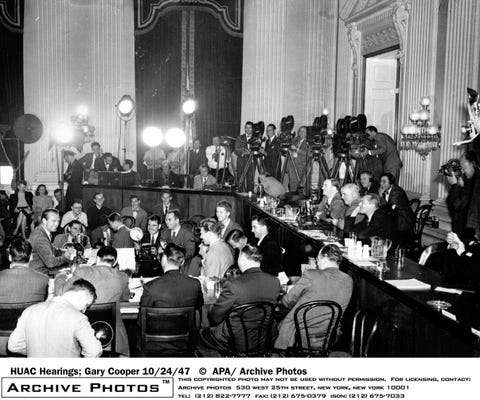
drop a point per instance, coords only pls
(176, 138)
(125, 111)
(189, 106)
(153, 137)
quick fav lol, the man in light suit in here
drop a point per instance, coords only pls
(252, 286)
(325, 283)
(21, 284)
(223, 212)
(121, 236)
(165, 206)
(178, 235)
(203, 179)
(299, 155)
(45, 257)
(219, 256)
(134, 210)
(111, 286)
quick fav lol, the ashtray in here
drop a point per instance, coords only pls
(439, 304)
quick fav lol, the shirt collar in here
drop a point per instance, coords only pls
(261, 239)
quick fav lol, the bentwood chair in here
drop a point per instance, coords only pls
(103, 318)
(316, 325)
(250, 330)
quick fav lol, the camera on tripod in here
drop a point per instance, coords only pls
(319, 137)
(255, 141)
(350, 137)
(286, 134)
(451, 167)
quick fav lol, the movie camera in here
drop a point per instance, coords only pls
(319, 137)
(255, 141)
(451, 167)
(350, 136)
(286, 134)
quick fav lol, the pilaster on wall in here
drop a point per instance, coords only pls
(77, 53)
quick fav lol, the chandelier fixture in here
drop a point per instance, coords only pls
(419, 135)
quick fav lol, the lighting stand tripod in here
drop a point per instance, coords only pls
(349, 176)
(255, 160)
(306, 180)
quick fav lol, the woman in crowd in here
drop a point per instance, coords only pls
(41, 202)
(21, 204)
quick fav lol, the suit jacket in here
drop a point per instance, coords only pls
(87, 159)
(114, 166)
(74, 173)
(198, 181)
(232, 225)
(140, 221)
(158, 210)
(182, 239)
(96, 217)
(386, 149)
(122, 239)
(302, 154)
(196, 159)
(218, 259)
(252, 286)
(22, 285)
(380, 225)
(272, 157)
(349, 221)
(170, 179)
(147, 238)
(45, 257)
(329, 284)
(13, 201)
(111, 286)
(272, 256)
(374, 186)
(399, 199)
(336, 209)
(131, 178)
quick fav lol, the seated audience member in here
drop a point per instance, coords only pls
(463, 198)
(45, 257)
(75, 214)
(332, 208)
(194, 267)
(129, 176)
(134, 210)
(67, 333)
(21, 284)
(203, 179)
(395, 198)
(253, 285)
(111, 286)
(378, 222)
(178, 235)
(21, 204)
(326, 282)
(167, 177)
(108, 163)
(149, 266)
(223, 212)
(368, 184)
(60, 207)
(237, 241)
(102, 235)
(41, 201)
(165, 206)
(272, 186)
(152, 235)
(219, 256)
(121, 234)
(171, 290)
(269, 248)
(73, 233)
(97, 213)
(351, 197)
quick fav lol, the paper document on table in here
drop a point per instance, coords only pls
(283, 278)
(126, 259)
(409, 284)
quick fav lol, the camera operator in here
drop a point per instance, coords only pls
(242, 150)
(272, 152)
(463, 198)
(386, 150)
(217, 158)
(299, 154)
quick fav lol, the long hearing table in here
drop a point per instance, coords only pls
(414, 328)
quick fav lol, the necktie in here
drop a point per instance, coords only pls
(173, 235)
(204, 180)
(166, 210)
(384, 195)
(153, 239)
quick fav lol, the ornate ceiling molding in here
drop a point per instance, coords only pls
(11, 15)
(229, 13)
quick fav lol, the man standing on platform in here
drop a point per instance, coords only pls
(217, 159)
(196, 158)
(108, 163)
(299, 152)
(386, 150)
(242, 150)
(272, 152)
(74, 177)
(88, 160)
(97, 213)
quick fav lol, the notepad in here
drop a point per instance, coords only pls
(409, 284)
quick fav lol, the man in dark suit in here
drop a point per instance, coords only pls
(252, 286)
(196, 157)
(299, 156)
(386, 150)
(167, 177)
(111, 286)
(129, 176)
(223, 213)
(149, 265)
(178, 235)
(378, 222)
(108, 163)
(203, 179)
(21, 284)
(45, 257)
(165, 206)
(97, 213)
(272, 152)
(368, 184)
(88, 160)
(394, 198)
(269, 248)
(134, 210)
(242, 150)
(74, 177)
(121, 236)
